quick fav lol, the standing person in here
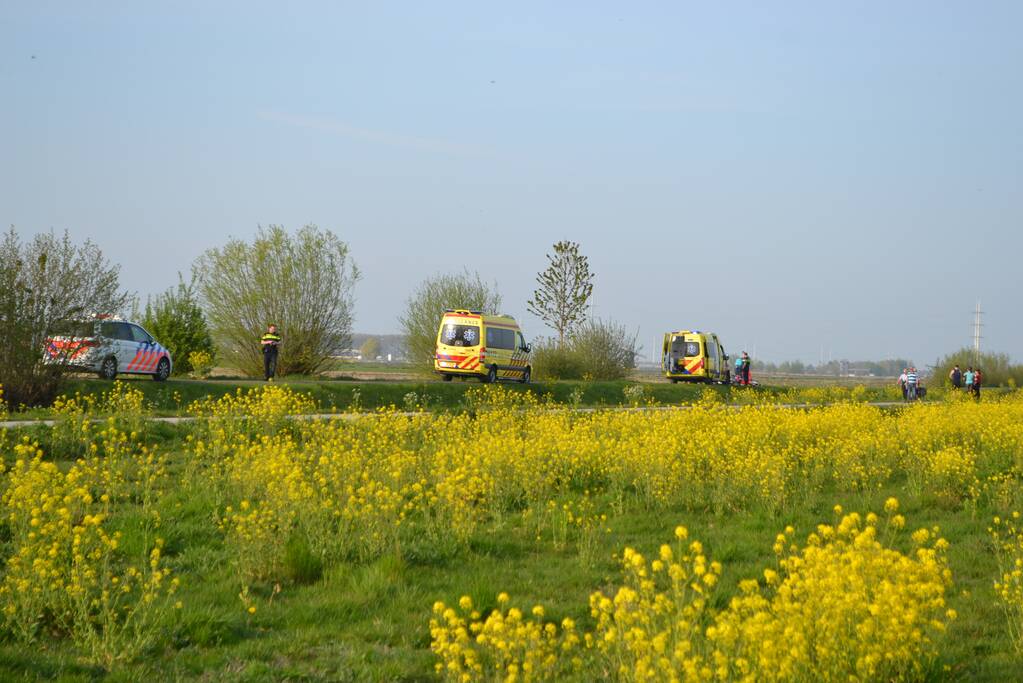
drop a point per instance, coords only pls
(745, 368)
(738, 369)
(968, 379)
(976, 383)
(911, 378)
(902, 383)
(271, 343)
(957, 378)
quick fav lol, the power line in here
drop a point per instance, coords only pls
(977, 325)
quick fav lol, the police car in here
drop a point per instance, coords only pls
(108, 346)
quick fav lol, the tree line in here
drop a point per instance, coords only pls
(878, 368)
(304, 281)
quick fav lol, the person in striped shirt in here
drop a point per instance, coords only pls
(911, 380)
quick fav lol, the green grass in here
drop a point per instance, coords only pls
(369, 621)
(173, 396)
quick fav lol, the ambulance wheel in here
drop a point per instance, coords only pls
(446, 378)
(162, 370)
(526, 375)
(492, 374)
(108, 369)
(674, 381)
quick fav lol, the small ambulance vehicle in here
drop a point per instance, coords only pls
(489, 347)
(694, 356)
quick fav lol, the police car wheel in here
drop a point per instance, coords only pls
(526, 375)
(108, 369)
(162, 370)
(492, 374)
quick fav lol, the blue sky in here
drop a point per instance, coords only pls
(798, 176)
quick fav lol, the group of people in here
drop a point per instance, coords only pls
(969, 380)
(909, 382)
(742, 364)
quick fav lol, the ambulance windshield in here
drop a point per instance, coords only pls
(460, 335)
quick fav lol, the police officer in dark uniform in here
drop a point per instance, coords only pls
(271, 342)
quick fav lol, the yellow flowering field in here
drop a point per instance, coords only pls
(516, 539)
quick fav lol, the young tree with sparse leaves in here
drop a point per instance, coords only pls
(424, 309)
(563, 293)
(303, 282)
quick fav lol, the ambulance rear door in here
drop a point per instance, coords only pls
(710, 345)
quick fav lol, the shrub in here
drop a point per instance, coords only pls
(597, 350)
(551, 361)
(606, 347)
(202, 364)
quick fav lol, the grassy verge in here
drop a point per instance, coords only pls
(174, 396)
(369, 621)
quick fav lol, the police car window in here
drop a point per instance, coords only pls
(140, 335)
(72, 328)
(460, 335)
(116, 331)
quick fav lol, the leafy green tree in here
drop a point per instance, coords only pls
(563, 291)
(45, 283)
(370, 349)
(177, 321)
(424, 308)
(303, 282)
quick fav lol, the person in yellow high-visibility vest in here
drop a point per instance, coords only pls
(271, 343)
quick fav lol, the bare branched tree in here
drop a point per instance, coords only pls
(44, 283)
(563, 290)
